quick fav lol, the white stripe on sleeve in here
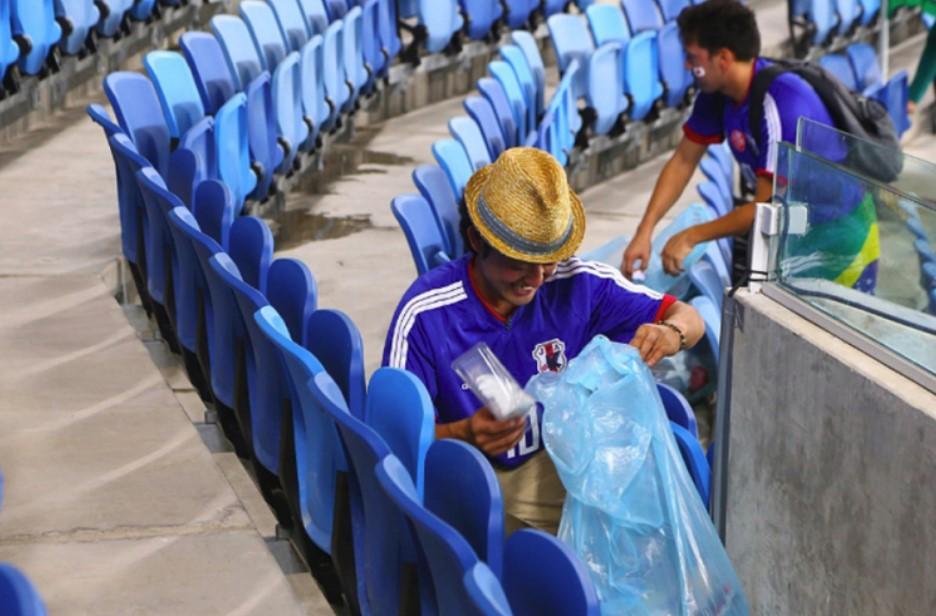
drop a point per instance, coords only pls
(429, 300)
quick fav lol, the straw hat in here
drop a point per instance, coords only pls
(522, 206)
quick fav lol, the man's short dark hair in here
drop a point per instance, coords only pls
(464, 222)
(721, 24)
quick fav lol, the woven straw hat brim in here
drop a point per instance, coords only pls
(472, 192)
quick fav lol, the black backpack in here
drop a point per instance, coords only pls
(851, 112)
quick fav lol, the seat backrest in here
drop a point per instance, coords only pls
(607, 24)
(722, 154)
(214, 210)
(227, 333)
(707, 281)
(375, 56)
(293, 292)
(265, 31)
(333, 48)
(294, 26)
(515, 57)
(519, 11)
(158, 201)
(181, 103)
(213, 77)
(839, 66)
(605, 92)
(694, 458)
(423, 234)
(355, 73)
(337, 9)
(140, 115)
(713, 197)
(467, 132)
(482, 113)
(315, 15)
(571, 41)
(113, 19)
(712, 319)
(642, 15)
(314, 105)
(398, 408)
(677, 408)
(481, 16)
(442, 21)
(35, 20)
(865, 64)
(142, 9)
(503, 73)
(336, 343)
(525, 41)
(469, 500)
(250, 244)
(266, 152)
(671, 9)
(848, 13)
(823, 15)
(542, 575)
(239, 50)
(493, 93)
(715, 173)
(18, 595)
(642, 73)
(9, 50)
(673, 69)
(129, 200)
(231, 147)
(453, 159)
(551, 7)
(80, 15)
(870, 9)
(434, 186)
(189, 283)
(291, 128)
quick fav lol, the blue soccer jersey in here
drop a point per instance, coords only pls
(442, 315)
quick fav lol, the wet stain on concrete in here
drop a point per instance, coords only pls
(296, 227)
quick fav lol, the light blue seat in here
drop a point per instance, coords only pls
(642, 16)
(870, 9)
(821, 14)
(9, 50)
(110, 23)
(694, 458)
(525, 41)
(231, 147)
(434, 186)
(518, 13)
(376, 57)
(315, 103)
(336, 343)
(140, 115)
(483, 114)
(714, 257)
(607, 24)
(715, 173)
(77, 18)
(670, 9)
(677, 79)
(493, 93)
(707, 281)
(181, 103)
(722, 154)
(265, 31)
(515, 57)
(571, 41)
(839, 66)
(712, 318)
(481, 16)
(213, 77)
(505, 75)
(291, 125)
(543, 575)
(849, 13)
(714, 197)
(467, 133)
(453, 159)
(423, 235)
(268, 150)
(865, 65)
(293, 23)
(442, 21)
(336, 86)
(605, 92)
(316, 17)
(387, 25)
(641, 74)
(677, 408)
(250, 246)
(356, 72)
(561, 122)
(241, 54)
(18, 595)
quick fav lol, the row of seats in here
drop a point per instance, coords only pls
(33, 33)
(858, 69)
(821, 22)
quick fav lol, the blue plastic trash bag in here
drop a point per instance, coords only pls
(632, 512)
(653, 275)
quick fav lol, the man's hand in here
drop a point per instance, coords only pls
(654, 342)
(637, 250)
(491, 435)
(676, 250)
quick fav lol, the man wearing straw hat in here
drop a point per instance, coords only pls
(521, 291)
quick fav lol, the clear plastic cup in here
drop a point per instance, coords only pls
(487, 377)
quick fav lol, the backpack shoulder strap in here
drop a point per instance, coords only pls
(759, 86)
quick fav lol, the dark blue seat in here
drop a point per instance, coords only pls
(231, 148)
(214, 210)
(181, 103)
(642, 16)
(894, 96)
(293, 292)
(336, 343)
(140, 115)
(466, 132)
(839, 66)
(694, 458)
(571, 41)
(525, 41)
(143, 9)
(77, 18)
(423, 235)
(672, 8)
(542, 575)
(519, 11)
(9, 50)
(481, 15)
(316, 16)
(676, 77)
(865, 65)
(212, 75)
(116, 10)
(483, 114)
(677, 408)
(551, 7)
(435, 188)
(293, 23)
(250, 245)
(493, 93)
(485, 591)
(18, 595)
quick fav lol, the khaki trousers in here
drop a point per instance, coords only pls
(533, 495)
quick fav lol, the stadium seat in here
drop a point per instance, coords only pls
(181, 103)
(642, 16)
(213, 78)
(641, 74)
(315, 103)
(707, 281)
(677, 79)
(336, 87)
(336, 343)
(493, 93)
(505, 75)
(78, 19)
(250, 246)
(337, 9)
(316, 17)
(231, 147)
(543, 575)
(670, 9)
(712, 318)
(607, 24)
(294, 25)
(714, 197)
(870, 9)
(562, 121)
(715, 173)
(865, 65)
(571, 41)
(142, 10)
(483, 114)
(714, 257)
(18, 595)
(356, 73)
(291, 127)
(113, 13)
(387, 25)
(158, 201)
(525, 41)
(434, 186)
(267, 149)
(551, 7)
(894, 96)
(839, 66)
(140, 115)
(607, 101)
(694, 458)
(677, 408)
(515, 57)
(425, 239)
(453, 159)
(240, 53)
(722, 154)
(485, 592)
(9, 50)
(265, 31)
(442, 21)
(376, 57)
(518, 13)
(470, 500)
(849, 12)
(481, 15)
(467, 133)
(821, 14)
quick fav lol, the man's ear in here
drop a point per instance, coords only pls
(474, 239)
(725, 58)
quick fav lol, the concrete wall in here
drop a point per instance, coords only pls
(832, 474)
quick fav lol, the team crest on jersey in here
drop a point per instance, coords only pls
(738, 140)
(550, 356)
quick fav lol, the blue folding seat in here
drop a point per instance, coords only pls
(18, 595)
(376, 58)
(705, 278)
(425, 239)
(356, 73)
(551, 7)
(293, 292)
(503, 73)
(641, 74)
(434, 186)
(722, 154)
(562, 121)
(231, 148)
(642, 16)
(870, 9)
(181, 103)
(694, 458)
(336, 87)
(543, 575)
(671, 9)
(337, 9)
(292, 127)
(714, 197)
(677, 79)
(77, 18)
(481, 15)
(607, 24)
(241, 55)
(293, 25)
(483, 114)
(142, 10)
(525, 41)
(213, 77)
(515, 57)
(442, 21)
(336, 343)
(37, 33)
(388, 29)
(865, 65)
(849, 12)
(485, 592)
(250, 246)
(112, 16)
(140, 115)
(605, 92)
(316, 17)
(822, 18)
(158, 201)
(839, 66)
(712, 319)
(518, 13)
(677, 408)
(571, 41)
(453, 159)
(214, 210)
(467, 133)
(493, 93)
(9, 50)
(715, 173)
(316, 105)
(266, 32)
